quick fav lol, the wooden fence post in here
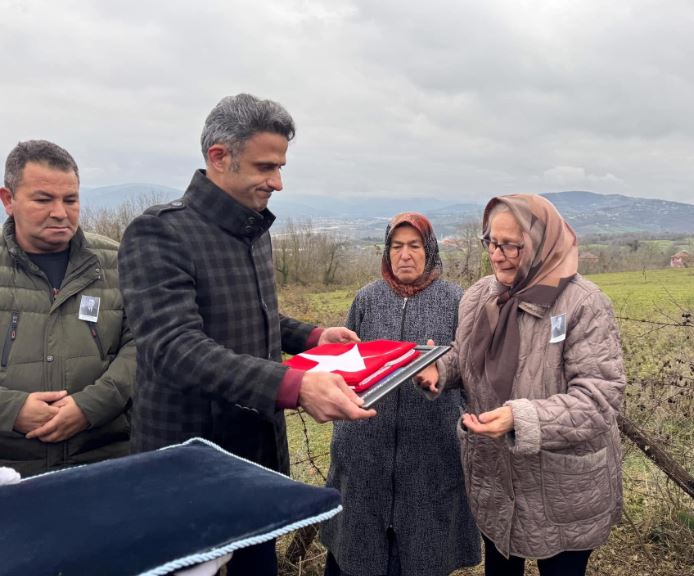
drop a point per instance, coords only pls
(656, 454)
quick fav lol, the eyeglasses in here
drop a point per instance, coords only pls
(509, 250)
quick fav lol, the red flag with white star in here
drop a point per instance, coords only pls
(360, 364)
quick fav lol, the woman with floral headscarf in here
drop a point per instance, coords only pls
(405, 509)
(538, 353)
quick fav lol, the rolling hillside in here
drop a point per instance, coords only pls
(588, 212)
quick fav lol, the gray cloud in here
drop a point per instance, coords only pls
(453, 99)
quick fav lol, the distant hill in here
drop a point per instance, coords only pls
(114, 196)
(365, 217)
(285, 205)
(591, 213)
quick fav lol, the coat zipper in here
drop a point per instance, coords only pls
(397, 410)
(402, 322)
(10, 338)
(97, 339)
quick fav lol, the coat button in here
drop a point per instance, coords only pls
(249, 229)
(49, 358)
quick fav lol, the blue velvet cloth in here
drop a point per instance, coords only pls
(150, 513)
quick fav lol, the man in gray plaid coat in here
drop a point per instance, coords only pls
(198, 282)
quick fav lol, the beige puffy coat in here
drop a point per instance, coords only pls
(554, 483)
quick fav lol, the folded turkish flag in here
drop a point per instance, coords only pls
(360, 364)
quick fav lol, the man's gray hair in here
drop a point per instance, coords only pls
(41, 152)
(235, 119)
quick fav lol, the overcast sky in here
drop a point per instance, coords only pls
(455, 98)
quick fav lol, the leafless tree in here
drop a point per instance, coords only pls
(112, 222)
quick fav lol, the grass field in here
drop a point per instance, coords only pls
(656, 537)
(656, 294)
(648, 293)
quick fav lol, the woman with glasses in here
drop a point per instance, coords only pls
(538, 354)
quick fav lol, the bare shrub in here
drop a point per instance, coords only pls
(305, 256)
(464, 259)
(112, 222)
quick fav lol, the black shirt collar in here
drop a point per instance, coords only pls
(215, 204)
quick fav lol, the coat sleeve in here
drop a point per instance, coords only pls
(294, 334)
(157, 275)
(356, 313)
(446, 369)
(449, 365)
(11, 402)
(111, 394)
(594, 372)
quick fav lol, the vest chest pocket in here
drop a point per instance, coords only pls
(10, 337)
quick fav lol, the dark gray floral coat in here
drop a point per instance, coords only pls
(402, 468)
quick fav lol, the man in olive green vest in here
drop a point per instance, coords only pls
(67, 360)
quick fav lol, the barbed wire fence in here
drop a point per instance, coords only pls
(309, 464)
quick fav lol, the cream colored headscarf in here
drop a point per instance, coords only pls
(549, 260)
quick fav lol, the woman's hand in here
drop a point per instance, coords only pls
(429, 377)
(494, 424)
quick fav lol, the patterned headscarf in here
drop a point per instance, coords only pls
(549, 260)
(432, 263)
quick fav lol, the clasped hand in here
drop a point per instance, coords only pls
(50, 417)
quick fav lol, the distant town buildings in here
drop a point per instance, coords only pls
(681, 259)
